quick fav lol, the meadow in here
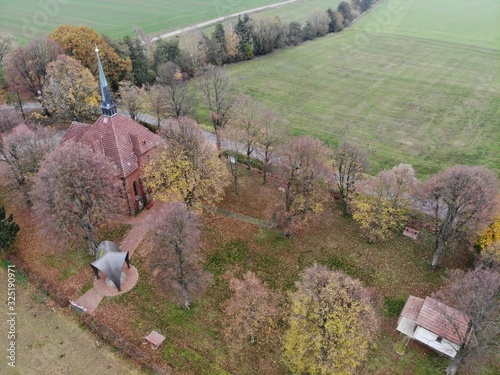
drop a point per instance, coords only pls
(430, 102)
(32, 18)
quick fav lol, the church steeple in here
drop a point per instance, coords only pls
(108, 106)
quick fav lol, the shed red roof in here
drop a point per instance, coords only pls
(412, 307)
(442, 320)
(121, 139)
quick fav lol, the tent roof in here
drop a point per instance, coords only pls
(110, 261)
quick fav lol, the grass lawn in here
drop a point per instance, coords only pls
(406, 100)
(29, 18)
(195, 340)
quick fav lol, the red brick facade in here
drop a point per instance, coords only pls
(128, 145)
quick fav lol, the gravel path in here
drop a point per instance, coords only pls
(220, 19)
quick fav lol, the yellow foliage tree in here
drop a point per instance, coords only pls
(70, 91)
(187, 169)
(79, 42)
(382, 206)
(489, 240)
(331, 325)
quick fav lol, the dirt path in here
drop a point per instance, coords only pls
(220, 19)
(48, 342)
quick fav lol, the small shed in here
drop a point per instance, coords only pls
(434, 324)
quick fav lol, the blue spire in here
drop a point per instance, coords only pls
(108, 106)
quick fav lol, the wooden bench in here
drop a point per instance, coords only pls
(410, 232)
(155, 339)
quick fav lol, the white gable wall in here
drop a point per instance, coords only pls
(406, 326)
(428, 338)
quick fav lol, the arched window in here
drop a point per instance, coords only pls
(136, 188)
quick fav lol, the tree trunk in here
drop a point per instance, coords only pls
(217, 138)
(264, 182)
(236, 183)
(453, 367)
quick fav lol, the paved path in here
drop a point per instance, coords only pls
(220, 19)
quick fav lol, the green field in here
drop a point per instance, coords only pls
(475, 23)
(28, 18)
(405, 98)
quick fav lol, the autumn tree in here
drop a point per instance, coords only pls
(74, 192)
(336, 23)
(476, 294)
(131, 98)
(251, 309)
(331, 324)
(177, 256)
(156, 102)
(8, 230)
(79, 42)
(349, 167)
(489, 241)
(302, 174)
(187, 169)
(218, 92)
(27, 66)
(178, 96)
(345, 9)
(70, 91)
(462, 198)
(295, 34)
(23, 151)
(383, 202)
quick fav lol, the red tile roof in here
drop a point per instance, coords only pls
(412, 307)
(121, 139)
(442, 320)
(76, 131)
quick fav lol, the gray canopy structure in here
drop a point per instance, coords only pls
(109, 260)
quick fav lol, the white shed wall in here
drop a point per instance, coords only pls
(428, 338)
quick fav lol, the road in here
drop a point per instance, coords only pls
(220, 19)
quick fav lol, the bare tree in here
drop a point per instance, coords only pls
(349, 167)
(219, 95)
(23, 151)
(461, 198)
(231, 137)
(132, 99)
(272, 134)
(74, 192)
(302, 172)
(251, 307)
(9, 118)
(318, 21)
(247, 119)
(156, 102)
(177, 94)
(27, 66)
(177, 255)
(6, 43)
(268, 34)
(192, 44)
(476, 294)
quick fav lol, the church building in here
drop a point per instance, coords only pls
(125, 142)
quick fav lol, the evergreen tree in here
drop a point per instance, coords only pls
(140, 64)
(8, 230)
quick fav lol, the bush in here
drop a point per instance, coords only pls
(393, 306)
